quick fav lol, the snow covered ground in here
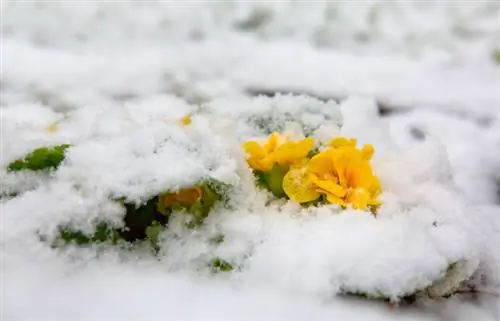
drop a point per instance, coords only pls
(111, 72)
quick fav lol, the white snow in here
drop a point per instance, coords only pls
(117, 76)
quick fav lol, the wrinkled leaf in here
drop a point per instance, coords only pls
(40, 159)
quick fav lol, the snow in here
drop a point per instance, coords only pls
(117, 76)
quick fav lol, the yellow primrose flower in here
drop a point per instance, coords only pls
(342, 142)
(277, 150)
(52, 128)
(186, 120)
(342, 173)
(183, 197)
(298, 185)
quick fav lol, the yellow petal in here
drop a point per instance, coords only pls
(334, 199)
(299, 163)
(298, 187)
(189, 196)
(360, 175)
(285, 154)
(186, 120)
(368, 151)
(342, 142)
(303, 147)
(272, 142)
(267, 163)
(375, 188)
(331, 187)
(321, 163)
(341, 169)
(52, 128)
(359, 198)
(254, 149)
(254, 163)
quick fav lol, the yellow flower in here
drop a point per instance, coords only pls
(186, 120)
(342, 174)
(277, 150)
(342, 142)
(184, 197)
(299, 187)
(52, 128)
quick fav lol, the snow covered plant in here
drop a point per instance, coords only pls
(286, 188)
(143, 220)
(338, 174)
(147, 220)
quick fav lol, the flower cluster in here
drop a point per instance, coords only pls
(339, 174)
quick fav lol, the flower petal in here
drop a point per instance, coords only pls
(266, 163)
(289, 152)
(272, 142)
(303, 147)
(368, 151)
(322, 163)
(334, 199)
(359, 198)
(359, 174)
(186, 120)
(298, 187)
(342, 142)
(331, 187)
(254, 149)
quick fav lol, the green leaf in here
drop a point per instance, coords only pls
(218, 239)
(313, 152)
(40, 159)
(68, 235)
(212, 193)
(273, 180)
(103, 232)
(139, 218)
(220, 265)
(153, 232)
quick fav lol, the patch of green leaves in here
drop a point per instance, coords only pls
(218, 239)
(211, 193)
(43, 158)
(273, 180)
(313, 152)
(103, 232)
(219, 265)
(153, 233)
(138, 218)
(145, 222)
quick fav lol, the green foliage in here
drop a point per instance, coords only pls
(138, 218)
(220, 265)
(271, 123)
(265, 124)
(495, 55)
(145, 222)
(211, 192)
(313, 152)
(273, 180)
(68, 236)
(218, 239)
(40, 159)
(103, 232)
(153, 232)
